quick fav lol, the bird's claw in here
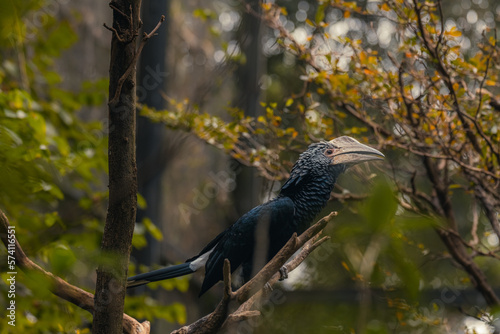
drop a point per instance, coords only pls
(283, 273)
(268, 288)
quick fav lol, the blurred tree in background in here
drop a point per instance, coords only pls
(415, 248)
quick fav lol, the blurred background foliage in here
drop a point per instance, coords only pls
(258, 92)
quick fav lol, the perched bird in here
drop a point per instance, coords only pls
(260, 233)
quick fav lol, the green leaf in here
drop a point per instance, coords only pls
(320, 13)
(139, 241)
(380, 208)
(152, 229)
(62, 258)
(141, 202)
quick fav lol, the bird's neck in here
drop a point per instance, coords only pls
(310, 196)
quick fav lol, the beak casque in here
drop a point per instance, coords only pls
(350, 152)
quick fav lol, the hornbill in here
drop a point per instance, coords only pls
(266, 228)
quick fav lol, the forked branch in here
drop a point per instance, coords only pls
(125, 75)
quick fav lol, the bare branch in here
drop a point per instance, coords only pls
(475, 223)
(453, 241)
(125, 75)
(116, 33)
(249, 294)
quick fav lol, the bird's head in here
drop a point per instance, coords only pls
(330, 158)
(342, 151)
(348, 151)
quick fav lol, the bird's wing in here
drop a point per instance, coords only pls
(296, 179)
(210, 245)
(238, 243)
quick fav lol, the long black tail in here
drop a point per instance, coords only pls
(160, 274)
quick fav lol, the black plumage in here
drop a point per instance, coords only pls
(260, 233)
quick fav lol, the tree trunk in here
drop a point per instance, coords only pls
(151, 145)
(248, 185)
(121, 216)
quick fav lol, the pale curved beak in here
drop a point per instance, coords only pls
(351, 152)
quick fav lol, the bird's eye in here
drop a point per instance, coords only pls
(329, 151)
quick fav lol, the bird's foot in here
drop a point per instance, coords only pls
(268, 288)
(283, 273)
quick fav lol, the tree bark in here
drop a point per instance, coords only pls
(122, 207)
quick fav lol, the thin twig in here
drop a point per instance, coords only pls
(475, 223)
(125, 75)
(119, 11)
(481, 87)
(441, 20)
(115, 32)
